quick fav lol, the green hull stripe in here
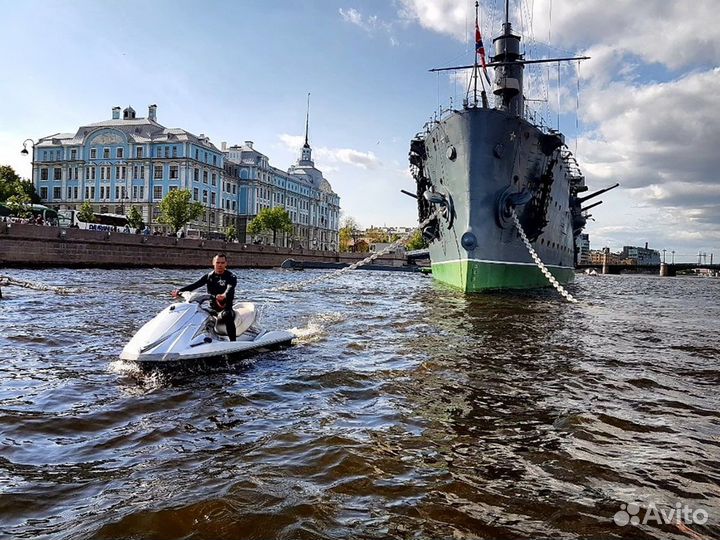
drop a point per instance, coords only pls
(473, 276)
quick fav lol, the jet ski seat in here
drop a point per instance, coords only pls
(244, 318)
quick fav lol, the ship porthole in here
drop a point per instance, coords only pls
(468, 241)
(451, 153)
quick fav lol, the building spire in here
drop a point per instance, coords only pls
(307, 122)
(306, 152)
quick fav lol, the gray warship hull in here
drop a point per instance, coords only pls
(481, 161)
(477, 167)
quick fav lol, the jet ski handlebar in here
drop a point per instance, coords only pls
(195, 297)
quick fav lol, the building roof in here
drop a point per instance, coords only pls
(137, 130)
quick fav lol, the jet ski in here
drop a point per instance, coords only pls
(190, 330)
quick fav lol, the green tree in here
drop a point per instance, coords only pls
(271, 219)
(377, 236)
(231, 233)
(349, 230)
(135, 219)
(177, 209)
(86, 213)
(417, 241)
(11, 184)
(19, 205)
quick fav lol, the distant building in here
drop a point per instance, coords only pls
(131, 161)
(313, 206)
(582, 249)
(641, 256)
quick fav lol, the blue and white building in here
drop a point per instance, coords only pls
(302, 190)
(130, 161)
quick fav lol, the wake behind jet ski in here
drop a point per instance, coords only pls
(190, 330)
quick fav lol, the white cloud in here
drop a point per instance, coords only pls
(443, 16)
(370, 24)
(328, 156)
(675, 34)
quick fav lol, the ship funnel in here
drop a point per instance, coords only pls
(599, 192)
(509, 73)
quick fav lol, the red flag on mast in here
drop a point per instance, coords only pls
(480, 49)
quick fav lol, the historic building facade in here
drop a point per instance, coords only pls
(313, 206)
(130, 161)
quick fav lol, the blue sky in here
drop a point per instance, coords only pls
(235, 71)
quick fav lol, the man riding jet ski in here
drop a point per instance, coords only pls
(193, 330)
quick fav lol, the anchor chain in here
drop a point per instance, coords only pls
(538, 262)
(402, 240)
(5, 281)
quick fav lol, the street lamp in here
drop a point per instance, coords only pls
(24, 151)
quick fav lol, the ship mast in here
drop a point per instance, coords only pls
(479, 50)
(509, 64)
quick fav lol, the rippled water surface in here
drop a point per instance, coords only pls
(405, 410)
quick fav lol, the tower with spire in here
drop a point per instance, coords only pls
(306, 154)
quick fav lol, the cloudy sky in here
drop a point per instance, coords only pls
(643, 111)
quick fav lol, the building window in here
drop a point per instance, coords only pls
(106, 153)
(174, 151)
(75, 193)
(139, 152)
(205, 196)
(167, 151)
(43, 174)
(93, 153)
(214, 179)
(196, 155)
(158, 171)
(196, 174)
(73, 154)
(205, 177)
(43, 193)
(157, 192)
(214, 160)
(120, 153)
(173, 170)
(142, 192)
(57, 174)
(196, 194)
(69, 193)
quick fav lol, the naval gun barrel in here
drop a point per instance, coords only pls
(593, 205)
(599, 192)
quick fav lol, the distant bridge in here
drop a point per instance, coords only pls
(653, 269)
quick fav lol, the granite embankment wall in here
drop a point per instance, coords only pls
(29, 246)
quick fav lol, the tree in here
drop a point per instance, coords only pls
(19, 205)
(11, 184)
(86, 213)
(271, 219)
(135, 219)
(349, 230)
(231, 233)
(417, 241)
(377, 236)
(177, 209)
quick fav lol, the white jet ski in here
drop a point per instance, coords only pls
(190, 331)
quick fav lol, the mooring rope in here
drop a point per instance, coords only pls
(554, 282)
(6, 280)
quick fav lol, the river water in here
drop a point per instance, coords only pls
(405, 410)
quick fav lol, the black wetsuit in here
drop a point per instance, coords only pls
(224, 283)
